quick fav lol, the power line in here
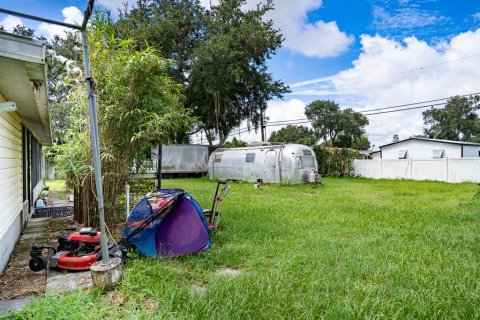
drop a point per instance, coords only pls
(409, 71)
(367, 113)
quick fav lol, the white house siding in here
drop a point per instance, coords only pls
(11, 183)
(471, 151)
(420, 149)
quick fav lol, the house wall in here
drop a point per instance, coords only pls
(11, 183)
(471, 151)
(420, 149)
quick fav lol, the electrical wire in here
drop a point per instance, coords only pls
(369, 112)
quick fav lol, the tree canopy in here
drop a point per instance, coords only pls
(294, 134)
(458, 120)
(138, 106)
(220, 57)
(235, 143)
(343, 128)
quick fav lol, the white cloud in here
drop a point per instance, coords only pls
(476, 16)
(113, 5)
(319, 39)
(71, 15)
(404, 18)
(387, 74)
(277, 111)
(9, 22)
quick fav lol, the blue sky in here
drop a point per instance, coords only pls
(364, 54)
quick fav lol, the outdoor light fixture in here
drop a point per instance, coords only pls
(73, 72)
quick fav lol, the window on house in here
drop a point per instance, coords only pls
(438, 153)
(218, 158)
(250, 157)
(402, 154)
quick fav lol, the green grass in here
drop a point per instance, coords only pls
(353, 249)
(58, 188)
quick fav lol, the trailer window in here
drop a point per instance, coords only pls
(308, 161)
(307, 152)
(250, 157)
(218, 158)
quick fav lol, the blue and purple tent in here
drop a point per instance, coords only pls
(167, 223)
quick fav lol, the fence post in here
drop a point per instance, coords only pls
(127, 198)
(411, 169)
(446, 164)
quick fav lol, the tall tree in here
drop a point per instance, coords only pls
(229, 80)
(458, 120)
(173, 27)
(138, 106)
(294, 134)
(219, 56)
(343, 128)
(23, 30)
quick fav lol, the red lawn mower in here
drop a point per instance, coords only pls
(76, 252)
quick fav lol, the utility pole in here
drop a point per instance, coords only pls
(262, 125)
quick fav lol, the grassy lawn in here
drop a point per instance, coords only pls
(355, 248)
(58, 188)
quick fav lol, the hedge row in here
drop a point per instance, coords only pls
(335, 162)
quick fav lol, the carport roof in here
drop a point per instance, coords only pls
(23, 80)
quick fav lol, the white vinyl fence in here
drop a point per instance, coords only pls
(449, 170)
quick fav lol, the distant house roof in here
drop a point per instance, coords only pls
(435, 140)
(23, 80)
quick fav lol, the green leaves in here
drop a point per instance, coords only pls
(294, 134)
(343, 128)
(458, 120)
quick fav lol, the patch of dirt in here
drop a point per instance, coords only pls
(17, 279)
(17, 282)
(197, 289)
(229, 272)
(150, 304)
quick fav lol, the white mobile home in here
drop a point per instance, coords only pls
(289, 164)
(423, 148)
(24, 128)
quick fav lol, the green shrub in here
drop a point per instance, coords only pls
(335, 162)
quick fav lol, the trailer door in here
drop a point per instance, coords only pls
(270, 166)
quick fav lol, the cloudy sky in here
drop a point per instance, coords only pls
(364, 54)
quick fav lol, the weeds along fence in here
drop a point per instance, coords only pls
(447, 169)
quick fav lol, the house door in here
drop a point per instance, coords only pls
(270, 166)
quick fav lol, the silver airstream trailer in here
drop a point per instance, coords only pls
(280, 163)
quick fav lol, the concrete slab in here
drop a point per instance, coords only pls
(62, 281)
(14, 304)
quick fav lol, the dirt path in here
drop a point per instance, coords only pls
(17, 280)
